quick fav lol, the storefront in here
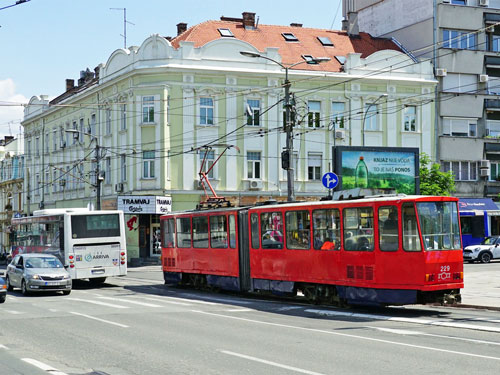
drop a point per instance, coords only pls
(142, 223)
(479, 218)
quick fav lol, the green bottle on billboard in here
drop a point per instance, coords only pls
(361, 173)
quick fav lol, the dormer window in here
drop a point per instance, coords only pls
(309, 59)
(341, 59)
(324, 40)
(226, 33)
(289, 37)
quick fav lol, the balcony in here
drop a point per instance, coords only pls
(492, 128)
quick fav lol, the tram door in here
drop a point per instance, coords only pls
(155, 240)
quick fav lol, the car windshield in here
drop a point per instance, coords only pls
(489, 241)
(43, 262)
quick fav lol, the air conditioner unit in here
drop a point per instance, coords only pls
(441, 72)
(484, 3)
(119, 187)
(484, 172)
(255, 185)
(340, 133)
(484, 164)
(483, 78)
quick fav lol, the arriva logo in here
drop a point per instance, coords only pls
(88, 257)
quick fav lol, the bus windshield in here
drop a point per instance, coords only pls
(439, 225)
(94, 226)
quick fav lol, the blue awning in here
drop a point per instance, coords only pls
(476, 204)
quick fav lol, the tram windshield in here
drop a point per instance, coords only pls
(439, 225)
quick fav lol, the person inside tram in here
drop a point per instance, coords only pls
(390, 232)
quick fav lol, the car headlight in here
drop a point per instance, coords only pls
(66, 277)
(477, 249)
(34, 277)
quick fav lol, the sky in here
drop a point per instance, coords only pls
(45, 42)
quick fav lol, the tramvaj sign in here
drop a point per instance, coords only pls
(144, 204)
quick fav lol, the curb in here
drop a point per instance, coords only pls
(464, 306)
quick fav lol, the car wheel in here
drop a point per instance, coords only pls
(10, 288)
(2, 298)
(485, 257)
(24, 288)
(66, 292)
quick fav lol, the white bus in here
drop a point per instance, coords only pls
(90, 244)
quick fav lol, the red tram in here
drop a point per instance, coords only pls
(383, 250)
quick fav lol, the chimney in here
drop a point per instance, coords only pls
(352, 24)
(96, 72)
(296, 24)
(181, 27)
(248, 20)
(70, 83)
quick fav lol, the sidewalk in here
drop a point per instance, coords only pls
(482, 285)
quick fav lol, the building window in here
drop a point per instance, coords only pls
(123, 168)
(289, 37)
(54, 140)
(123, 114)
(225, 32)
(206, 111)
(324, 40)
(338, 115)
(46, 143)
(54, 182)
(93, 125)
(410, 118)
(253, 112)
(253, 165)
(494, 171)
(37, 146)
(460, 127)
(314, 166)
(107, 171)
(148, 109)
(46, 183)
(459, 2)
(314, 115)
(37, 184)
(370, 119)
(28, 145)
(459, 39)
(209, 161)
(108, 121)
(455, 82)
(463, 170)
(81, 130)
(148, 164)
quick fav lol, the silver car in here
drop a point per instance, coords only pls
(37, 273)
(3, 290)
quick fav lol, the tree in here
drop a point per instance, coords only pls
(432, 180)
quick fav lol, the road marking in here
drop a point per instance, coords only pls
(129, 301)
(99, 303)
(14, 312)
(100, 320)
(275, 364)
(43, 366)
(440, 323)
(348, 335)
(238, 310)
(219, 300)
(404, 332)
(3, 347)
(165, 300)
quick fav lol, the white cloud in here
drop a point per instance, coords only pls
(10, 115)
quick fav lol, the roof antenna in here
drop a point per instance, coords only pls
(257, 22)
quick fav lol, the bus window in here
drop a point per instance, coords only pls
(271, 229)
(167, 229)
(92, 226)
(326, 229)
(183, 232)
(218, 232)
(200, 232)
(232, 232)
(411, 239)
(254, 222)
(358, 229)
(298, 229)
(388, 228)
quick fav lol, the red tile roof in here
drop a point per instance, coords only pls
(291, 52)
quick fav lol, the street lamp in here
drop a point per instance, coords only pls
(288, 126)
(97, 168)
(366, 112)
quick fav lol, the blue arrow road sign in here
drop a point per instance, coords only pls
(330, 180)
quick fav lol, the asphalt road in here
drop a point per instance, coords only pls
(136, 325)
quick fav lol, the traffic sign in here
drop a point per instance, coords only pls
(330, 180)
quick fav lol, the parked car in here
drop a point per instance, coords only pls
(37, 273)
(484, 252)
(3, 290)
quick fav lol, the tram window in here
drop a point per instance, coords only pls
(168, 231)
(200, 232)
(411, 239)
(358, 229)
(183, 232)
(271, 228)
(254, 222)
(388, 228)
(298, 230)
(439, 225)
(326, 229)
(218, 232)
(232, 232)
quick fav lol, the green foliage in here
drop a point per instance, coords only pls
(432, 180)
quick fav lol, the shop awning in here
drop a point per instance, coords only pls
(477, 206)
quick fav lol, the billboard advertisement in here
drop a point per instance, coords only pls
(377, 167)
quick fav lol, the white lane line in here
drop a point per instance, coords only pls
(439, 323)
(405, 332)
(216, 299)
(99, 303)
(3, 347)
(238, 310)
(100, 320)
(14, 312)
(43, 366)
(130, 301)
(275, 364)
(348, 335)
(165, 300)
